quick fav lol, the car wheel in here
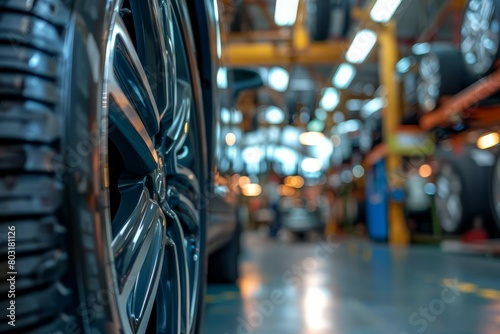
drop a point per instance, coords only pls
(440, 74)
(102, 155)
(459, 197)
(480, 43)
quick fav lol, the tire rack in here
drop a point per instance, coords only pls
(462, 107)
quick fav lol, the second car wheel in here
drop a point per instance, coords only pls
(460, 194)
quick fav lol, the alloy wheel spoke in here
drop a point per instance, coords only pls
(169, 292)
(138, 251)
(176, 234)
(128, 72)
(132, 109)
(179, 125)
(152, 39)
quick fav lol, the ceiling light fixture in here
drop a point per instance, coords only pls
(361, 46)
(330, 99)
(278, 79)
(311, 138)
(285, 13)
(344, 76)
(384, 10)
(488, 140)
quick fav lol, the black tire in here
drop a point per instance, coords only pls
(471, 37)
(473, 183)
(327, 18)
(319, 18)
(340, 18)
(55, 180)
(223, 264)
(450, 75)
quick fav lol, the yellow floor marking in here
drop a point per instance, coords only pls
(489, 294)
(463, 287)
(230, 295)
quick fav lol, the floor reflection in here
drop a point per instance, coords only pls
(355, 287)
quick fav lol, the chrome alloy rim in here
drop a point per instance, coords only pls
(428, 89)
(448, 198)
(151, 172)
(480, 35)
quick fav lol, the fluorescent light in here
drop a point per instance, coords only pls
(421, 49)
(311, 138)
(285, 13)
(361, 46)
(373, 106)
(272, 115)
(358, 171)
(222, 82)
(488, 140)
(225, 115)
(330, 99)
(311, 165)
(384, 10)
(278, 79)
(344, 76)
(252, 155)
(404, 65)
(230, 139)
(243, 181)
(251, 190)
(425, 171)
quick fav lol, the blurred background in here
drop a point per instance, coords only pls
(363, 167)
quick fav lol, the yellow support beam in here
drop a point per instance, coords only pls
(389, 56)
(275, 54)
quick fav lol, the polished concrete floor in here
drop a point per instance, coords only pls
(355, 287)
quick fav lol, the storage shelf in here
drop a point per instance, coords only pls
(464, 105)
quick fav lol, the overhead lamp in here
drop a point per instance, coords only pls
(251, 190)
(404, 65)
(278, 79)
(311, 165)
(272, 115)
(358, 171)
(311, 138)
(425, 171)
(488, 140)
(344, 76)
(230, 139)
(222, 81)
(420, 49)
(330, 99)
(384, 10)
(252, 155)
(361, 46)
(373, 106)
(285, 13)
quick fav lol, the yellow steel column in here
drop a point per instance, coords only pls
(389, 56)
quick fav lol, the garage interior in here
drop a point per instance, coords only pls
(365, 169)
